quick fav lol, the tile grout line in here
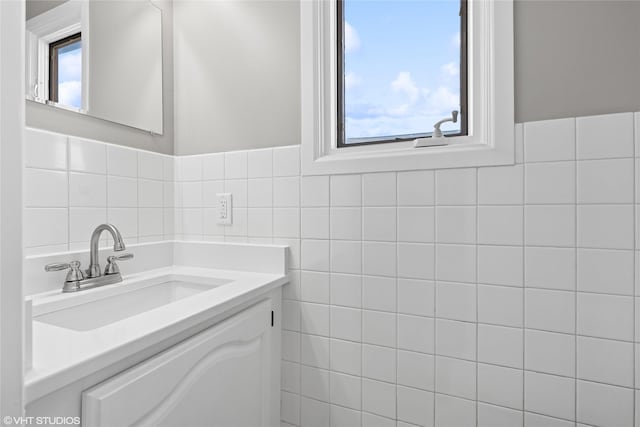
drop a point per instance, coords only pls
(524, 265)
(435, 275)
(224, 190)
(329, 303)
(202, 233)
(246, 183)
(68, 158)
(298, 305)
(106, 187)
(395, 175)
(477, 218)
(575, 269)
(635, 267)
(361, 294)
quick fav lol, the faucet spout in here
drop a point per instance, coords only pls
(118, 245)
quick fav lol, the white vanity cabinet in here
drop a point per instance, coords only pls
(223, 376)
(193, 343)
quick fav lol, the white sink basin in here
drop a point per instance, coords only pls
(129, 302)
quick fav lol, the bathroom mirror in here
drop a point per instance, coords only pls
(102, 58)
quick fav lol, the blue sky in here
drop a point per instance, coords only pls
(401, 65)
(70, 75)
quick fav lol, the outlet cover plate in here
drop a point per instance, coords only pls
(224, 204)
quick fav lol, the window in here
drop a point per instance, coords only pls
(485, 133)
(401, 68)
(57, 56)
(65, 71)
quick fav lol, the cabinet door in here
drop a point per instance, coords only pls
(220, 377)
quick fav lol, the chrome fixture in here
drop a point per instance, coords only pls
(112, 267)
(437, 133)
(437, 138)
(76, 280)
(118, 245)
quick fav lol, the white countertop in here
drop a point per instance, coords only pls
(62, 356)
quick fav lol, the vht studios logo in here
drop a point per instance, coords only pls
(9, 420)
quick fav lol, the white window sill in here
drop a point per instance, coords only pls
(393, 157)
(55, 104)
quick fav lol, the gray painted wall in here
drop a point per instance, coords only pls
(576, 58)
(67, 122)
(237, 75)
(126, 36)
(38, 7)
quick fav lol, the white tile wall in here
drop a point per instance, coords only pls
(72, 185)
(489, 297)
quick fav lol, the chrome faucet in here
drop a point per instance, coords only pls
(76, 279)
(118, 245)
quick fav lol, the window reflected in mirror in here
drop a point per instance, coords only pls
(98, 58)
(65, 71)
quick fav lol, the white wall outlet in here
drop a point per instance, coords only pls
(224, 208)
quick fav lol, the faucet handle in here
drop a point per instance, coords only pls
(74, 275)
(57, 266)
(122, 257)
(112, 267)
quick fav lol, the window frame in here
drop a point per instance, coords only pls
(490, 92)
(392, 139)
(54, 49)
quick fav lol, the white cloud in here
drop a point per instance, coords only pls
(69, 93)
(443, 99)
(399, 111)
(351, 38)
(413, 109)
(351, 79)
(450, 69)
(405, 84)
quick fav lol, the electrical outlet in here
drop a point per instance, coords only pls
(224, 208)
